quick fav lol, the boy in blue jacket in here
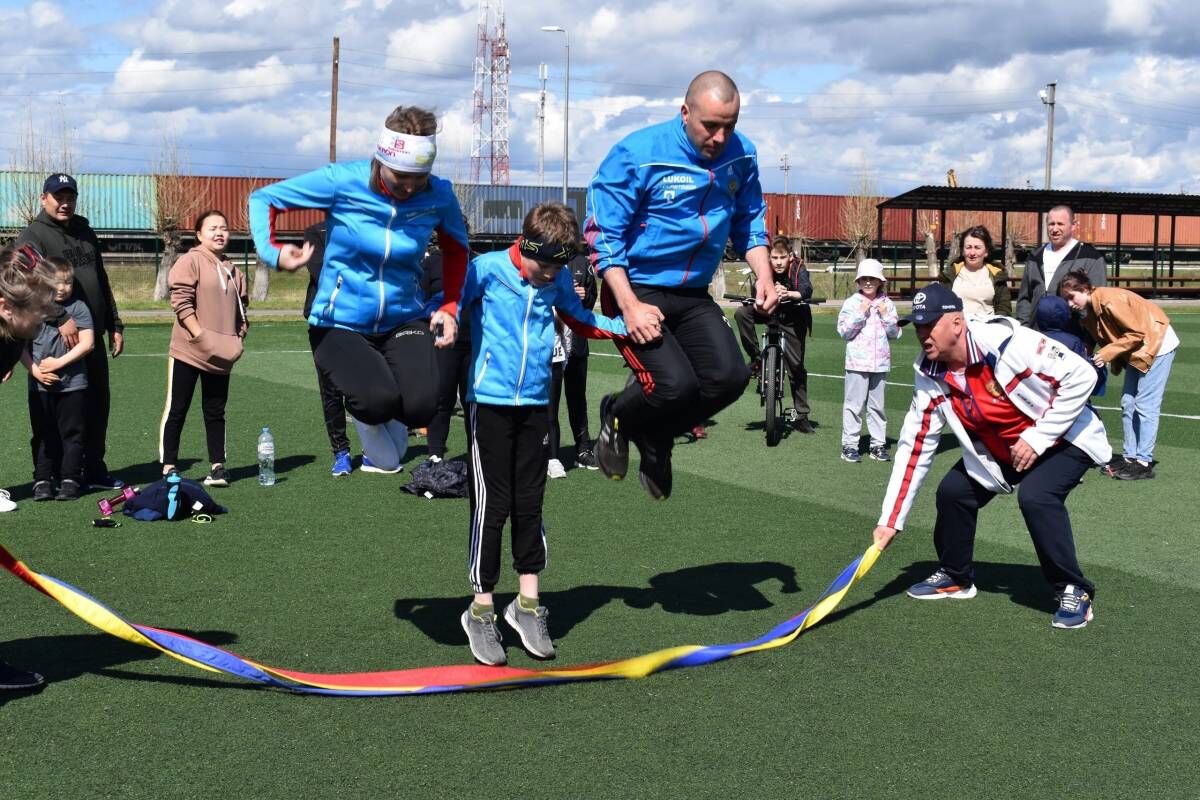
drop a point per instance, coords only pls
(511, 297)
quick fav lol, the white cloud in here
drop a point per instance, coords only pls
(45, 15)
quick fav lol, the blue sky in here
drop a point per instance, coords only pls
(897, 89)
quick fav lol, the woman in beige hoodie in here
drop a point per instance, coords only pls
(208, 295)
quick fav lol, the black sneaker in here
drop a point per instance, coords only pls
(13, 679)
(1134, 471)
(1115, 463)
(654, 470)
(216, 477)
(67, 490)
(880, 453)
(105, 481)
(585, 458)
(803, 425)
(612, 448)
(43, 490)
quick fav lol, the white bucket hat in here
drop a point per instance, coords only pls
(870, 268)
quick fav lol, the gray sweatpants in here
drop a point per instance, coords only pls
(864, 388)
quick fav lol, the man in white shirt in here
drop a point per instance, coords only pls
(1048, 265)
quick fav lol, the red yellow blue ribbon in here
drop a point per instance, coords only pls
(429, 680)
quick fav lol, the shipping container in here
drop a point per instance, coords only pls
(109, 202)
(231, 196)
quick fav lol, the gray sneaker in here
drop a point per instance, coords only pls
(532, 627)
(484, 638)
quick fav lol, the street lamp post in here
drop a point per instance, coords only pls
(1047, 96)
(566, 99)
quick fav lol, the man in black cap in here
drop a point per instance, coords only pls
(1017, 403)
(59, 232)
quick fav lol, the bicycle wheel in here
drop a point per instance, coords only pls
(770, 378)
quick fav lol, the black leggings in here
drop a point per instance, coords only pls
(688, 375)
(333, 405)
(453, 365)
(214, 393)
(384, 376)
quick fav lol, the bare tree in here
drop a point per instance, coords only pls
(1022, 232)
(927, 221)
(45, 145)
(176, 197)
(859, 216)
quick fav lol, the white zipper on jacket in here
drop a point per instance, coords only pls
(524, 343)
(387, 251)
(337, 287)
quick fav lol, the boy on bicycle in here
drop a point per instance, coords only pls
(794, 288)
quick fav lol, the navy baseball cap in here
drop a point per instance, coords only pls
(930, 303)
(59, 181)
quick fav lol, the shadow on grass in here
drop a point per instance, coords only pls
(705, 590)
(62, 658)
(1023, 583)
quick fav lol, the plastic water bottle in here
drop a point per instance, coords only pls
(266, 458)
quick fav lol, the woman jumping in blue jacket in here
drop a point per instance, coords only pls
(368, 325)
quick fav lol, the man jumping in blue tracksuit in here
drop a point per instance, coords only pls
(660, 209)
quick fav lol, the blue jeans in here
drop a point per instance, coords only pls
(1141, 400)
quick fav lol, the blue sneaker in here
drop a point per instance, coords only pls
(940, 586)
(1074, 608)
(851, 454)
(341, 464)
(367, 466)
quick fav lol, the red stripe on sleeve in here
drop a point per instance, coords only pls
(272, 213)
(1020, 376)
(454, 269)
(913, 458)
(583, 329)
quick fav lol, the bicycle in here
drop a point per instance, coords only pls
(770, 372)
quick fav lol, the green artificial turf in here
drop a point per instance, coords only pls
(887, 698)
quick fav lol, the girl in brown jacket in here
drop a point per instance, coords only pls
(1129, 331)
(208, 294)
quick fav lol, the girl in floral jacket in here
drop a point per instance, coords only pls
(867, 321)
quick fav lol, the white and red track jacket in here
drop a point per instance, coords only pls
(1045, 381)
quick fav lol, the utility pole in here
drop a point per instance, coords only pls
(786, 168)
(333, 103)
(543, 74)
(1047, 96)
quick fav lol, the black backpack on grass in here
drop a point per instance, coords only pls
(441, 479)
(173, 497)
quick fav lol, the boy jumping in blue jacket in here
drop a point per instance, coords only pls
(511, 297)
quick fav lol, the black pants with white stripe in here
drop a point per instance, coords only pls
(507, 479)
(214, 393)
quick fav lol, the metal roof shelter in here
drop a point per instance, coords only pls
(968, 198)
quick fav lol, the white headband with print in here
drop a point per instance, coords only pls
(406, 152)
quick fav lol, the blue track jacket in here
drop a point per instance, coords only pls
(512, 325)
(371, 279)
(663, 212)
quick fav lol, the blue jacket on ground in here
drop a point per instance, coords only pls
(663, 212)
(371, 278)
(512, 322)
